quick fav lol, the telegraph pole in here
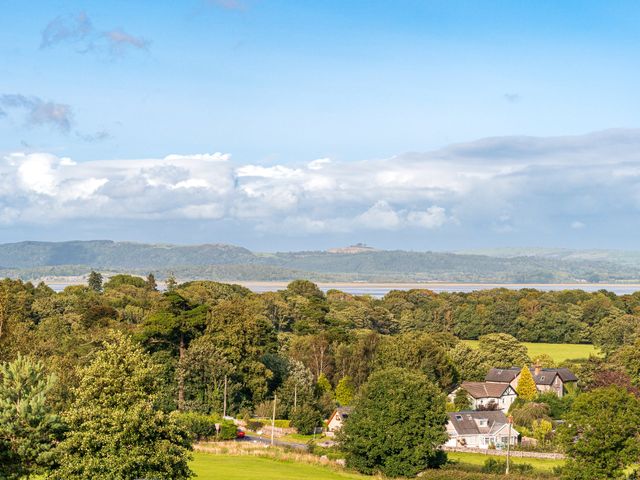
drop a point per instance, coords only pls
(295, 396)
(273, 419)
(510, 420)
(224, 400)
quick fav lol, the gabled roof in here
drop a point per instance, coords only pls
(343, 411)
(485, 389)
(468, 422)
(567, 375)
(502, 375)
(545, 377)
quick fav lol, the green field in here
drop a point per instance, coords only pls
(209, 466)
(479, 459)
(559, 352)
(228, 467)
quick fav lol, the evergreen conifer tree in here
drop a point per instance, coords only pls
(526, 385)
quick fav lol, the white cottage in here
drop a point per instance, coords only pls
(480, 430)
(485, 394)
(336, 420)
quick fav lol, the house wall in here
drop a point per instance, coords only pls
(335, 424)
(503, 402)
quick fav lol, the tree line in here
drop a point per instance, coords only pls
(108, 359)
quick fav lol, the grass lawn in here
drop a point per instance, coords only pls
(479, 459)
(558, 351)
(208, 466)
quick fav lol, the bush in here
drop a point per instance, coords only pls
(306, 419)
(255, 425)
(492, 465)
(279, 423)
(203, 427)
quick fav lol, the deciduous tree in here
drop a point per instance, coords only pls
(397, 425)
(601, 434)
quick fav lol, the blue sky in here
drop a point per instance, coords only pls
(288, 124)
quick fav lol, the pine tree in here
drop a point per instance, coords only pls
(151, 282)
(526, 385)
(115, 429)
(171, 283)
(345, 391)
(28, 427)
(95, 281)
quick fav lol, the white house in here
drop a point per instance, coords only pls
(484, 394)
(336, 420)
(480, 429)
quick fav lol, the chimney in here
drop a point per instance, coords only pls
(536, 369)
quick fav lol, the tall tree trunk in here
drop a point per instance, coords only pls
(181, 351)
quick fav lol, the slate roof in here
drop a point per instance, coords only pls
(545, 377)
(567, 375)
(502, 375)
(467, 422)
(485, 389)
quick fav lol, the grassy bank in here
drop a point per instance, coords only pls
(557, 351)
(541, 464)
(208, 466)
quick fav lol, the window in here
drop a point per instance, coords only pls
(542, 378)
(482, 422)
(459, 418)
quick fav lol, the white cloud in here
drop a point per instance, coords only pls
(506, 185)
(577, 225)
(432, 217)
(319, 164)
(380, 217)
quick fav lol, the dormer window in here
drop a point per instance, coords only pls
(459, 418)
(542, 378)
(482, 422)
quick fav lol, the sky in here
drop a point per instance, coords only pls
(289, 125)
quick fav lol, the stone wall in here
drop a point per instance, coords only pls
(503, 453)
(277, 432)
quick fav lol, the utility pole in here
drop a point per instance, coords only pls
(295, 397)
(510, 420)
(224, 400)
(273, 419)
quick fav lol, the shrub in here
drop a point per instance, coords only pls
(203, 427)
(254, 425)
(306, 419)
(492, 465)
(529, 412)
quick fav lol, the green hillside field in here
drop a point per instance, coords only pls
(559, 352)
(229, 467)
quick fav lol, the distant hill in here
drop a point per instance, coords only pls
(357, 248)
(109, 254)
(32, 260)
(621, 257)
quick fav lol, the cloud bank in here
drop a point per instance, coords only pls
(498, 184)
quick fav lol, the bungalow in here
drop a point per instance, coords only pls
(336, 420)
(557, 380)
(487, 395)
(480, 430)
